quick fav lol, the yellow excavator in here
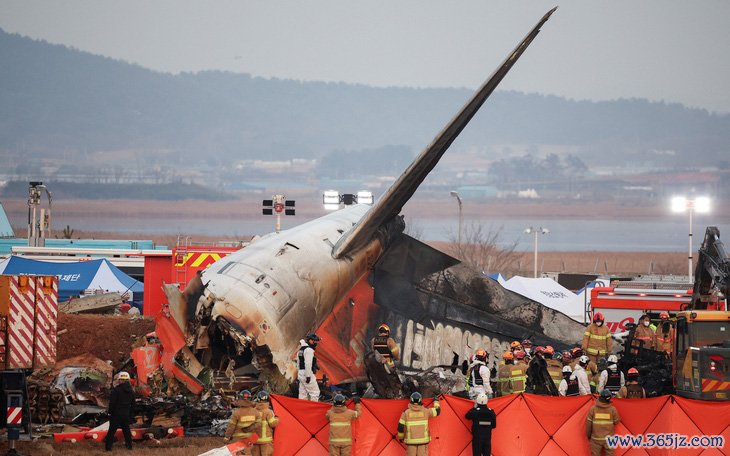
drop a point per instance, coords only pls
(701, 355)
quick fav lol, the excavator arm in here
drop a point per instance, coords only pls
(712, 274)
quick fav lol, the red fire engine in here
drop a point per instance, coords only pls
(624, 303)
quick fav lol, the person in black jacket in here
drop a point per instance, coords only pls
(483, 420)
(120, 411)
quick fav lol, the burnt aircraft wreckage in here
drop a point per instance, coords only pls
(343, 273)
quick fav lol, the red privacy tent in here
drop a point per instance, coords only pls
(526, 425)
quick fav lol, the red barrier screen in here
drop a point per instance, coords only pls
(526, 425)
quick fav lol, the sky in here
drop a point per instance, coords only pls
(661, 50)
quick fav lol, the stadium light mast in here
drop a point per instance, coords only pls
(535, 232)
(455, 194)
(701, 205)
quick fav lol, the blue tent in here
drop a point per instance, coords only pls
(77, 277)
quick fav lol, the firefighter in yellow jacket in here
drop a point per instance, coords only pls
(242, 424)
(340, 418)
(600, 422)
(504, 385)
(264, 446)
(413, 425)
(597, 341)
(385, 349)
(518, 373)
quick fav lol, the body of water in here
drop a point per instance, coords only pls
(669, 235)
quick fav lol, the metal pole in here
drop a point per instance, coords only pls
(689, 257)
(461, 218)
(536, 233)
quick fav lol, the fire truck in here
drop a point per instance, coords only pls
(623, 303)
(28, 317)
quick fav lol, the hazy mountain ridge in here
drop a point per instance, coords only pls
(56, 100)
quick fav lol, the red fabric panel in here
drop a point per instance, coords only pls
(708, 416)
(526, 438)
(290, 435)
(311, 415)
(450, 429)
(313, 448)
(341, 352)
(552, 449)
(672, 419)
(571, 435)
(634, 412)
(378, 425)
(551, 418)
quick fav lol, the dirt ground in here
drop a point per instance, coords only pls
(108, 337)
(189, 446)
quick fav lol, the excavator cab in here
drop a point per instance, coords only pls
(702, 355)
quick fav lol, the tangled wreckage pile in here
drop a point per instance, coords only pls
(70, 400)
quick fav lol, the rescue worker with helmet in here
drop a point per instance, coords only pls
(632, 389)
(386, 350)
(264, 446)
(580, 374)
(554, 366)
(483, 420)
(479, 375)
(340, 418)
(307, 365)
(121, 401)
(643, 335)
(515, 346)
(600, 422)
(597, 341)
(243, 421)
(591, 368)
(504, 372)
(567, 359)
(664, 335)
(612, 378)
(527, 348)
(413, 425)
(568, 385)
(518, 373)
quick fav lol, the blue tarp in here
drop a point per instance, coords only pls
(76, 277)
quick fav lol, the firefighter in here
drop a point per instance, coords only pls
(307, 363)
(579, 373)
(518, 373)
(121, 401)
(597, 339)
(503, 374)
(664, 334)
(643, 334)
(515, 346)
(413, 425)
(600, 422)
(632, 389)
(483, 420)
(554, 366)
(479, 375)
(568, 386)
(386, 350)
(527, 348)
(242, 424)
(340, 419)
(264, 446)
(612, 378)
(567, 359)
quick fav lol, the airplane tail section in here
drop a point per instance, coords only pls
(391, 203)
